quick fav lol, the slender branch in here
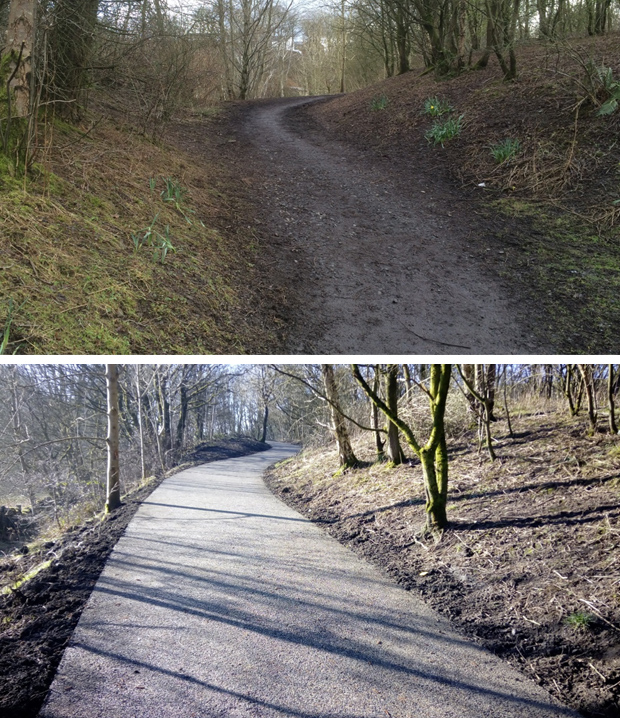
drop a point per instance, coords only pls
(324, 398)
(48, 443)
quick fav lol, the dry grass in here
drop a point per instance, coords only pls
(70, 265)
(534, 541)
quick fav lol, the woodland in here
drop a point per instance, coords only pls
(491, 490)
(118, 184)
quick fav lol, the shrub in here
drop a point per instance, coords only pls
(436, 107)
(611, 89)
(379, 103)
(579, 620)
(505, 150)
(441, 132)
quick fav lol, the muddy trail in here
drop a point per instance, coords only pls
(373, 255)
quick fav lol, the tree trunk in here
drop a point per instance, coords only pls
(140, 422)
(345, 451)
(394, 452)
(611, 388)
(113, 483)
(165, 437)
(182, 422)
(343, 65)
(588, 381)
(469, 374)
(20, 44)
(491, 381)
(263, 436)
(374, 419)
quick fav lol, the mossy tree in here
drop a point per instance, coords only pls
(433, 454)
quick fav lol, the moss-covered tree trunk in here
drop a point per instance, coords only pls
(433, 454)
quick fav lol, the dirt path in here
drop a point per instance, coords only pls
(220, 600)
(375, 262)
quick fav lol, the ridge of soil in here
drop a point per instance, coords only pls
(533, 544)
(37, 619)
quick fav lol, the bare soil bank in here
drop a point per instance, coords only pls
(529, 567)
(545, 221)
(38, 618)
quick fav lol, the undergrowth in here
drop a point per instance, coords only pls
(72, 278)
(572, 271)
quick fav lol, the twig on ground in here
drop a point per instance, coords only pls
(436, 341)
(598, 672)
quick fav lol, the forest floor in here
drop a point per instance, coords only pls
(332, 227)
(37, 617)
(530, 566)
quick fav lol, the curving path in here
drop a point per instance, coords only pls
(382, 262)
(220, 601)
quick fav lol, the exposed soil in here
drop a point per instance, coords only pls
(531, 554)
(370, 256)
(373, 240)
(546, 220)
(38, 618)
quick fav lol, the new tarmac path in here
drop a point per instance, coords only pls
(220, 601)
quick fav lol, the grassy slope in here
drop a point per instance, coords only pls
(556, 228)
(72, 273)
(533, 535)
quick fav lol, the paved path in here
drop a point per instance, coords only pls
(220, 601)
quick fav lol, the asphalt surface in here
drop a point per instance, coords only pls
(219, 600)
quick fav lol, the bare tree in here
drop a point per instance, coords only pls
(113, 484)
(345, 450)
